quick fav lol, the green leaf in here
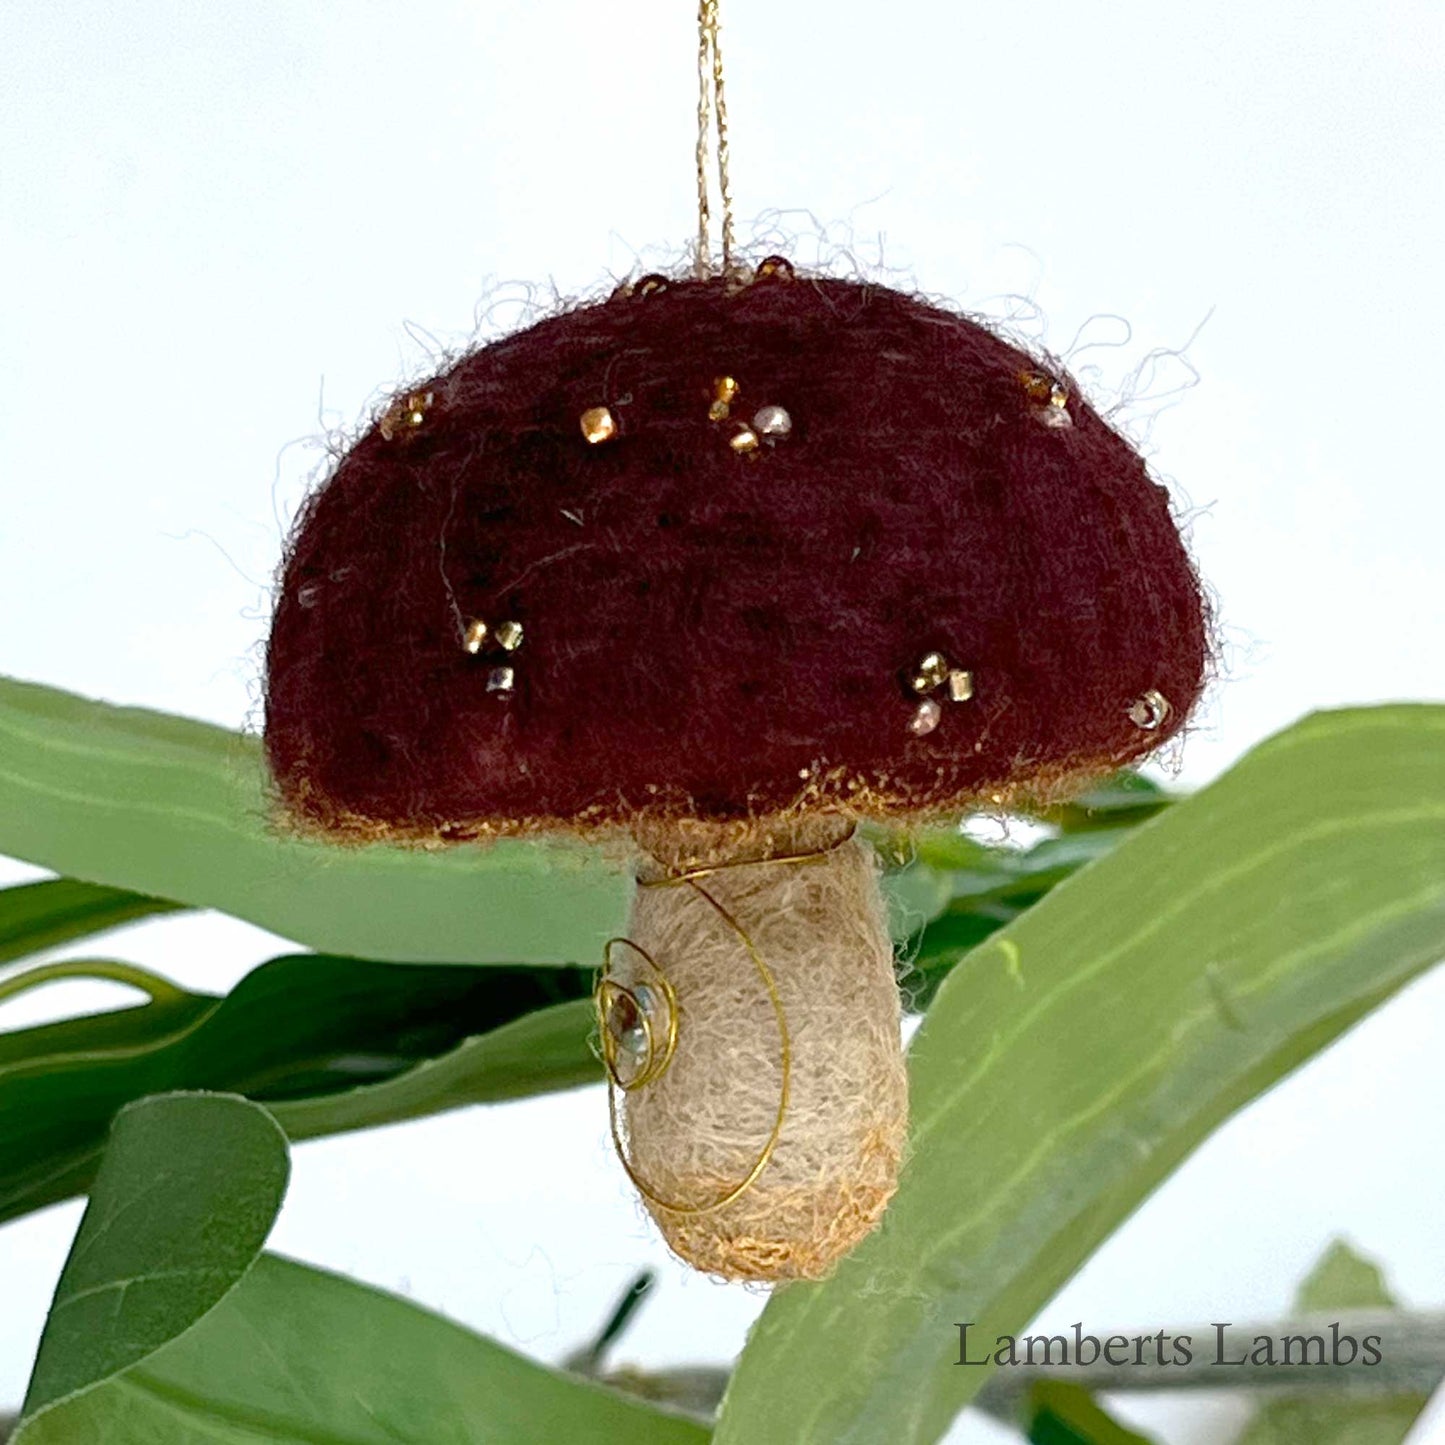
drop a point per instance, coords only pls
(542, 1051)
(43, 915)
(115, 1031)
(331, 1043)
(1068, 1065)
(1122, 801)
(917, 894)
(188, 1191)
(1061, 1413)
(1301, 1421)
(1340, 1281)
(989, 892)
(1343, 1280)
(182, 810)
(295, 1356)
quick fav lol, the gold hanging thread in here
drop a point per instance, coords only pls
(712, 113)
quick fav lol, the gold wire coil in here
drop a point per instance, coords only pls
(608, 991)
(655, 1060)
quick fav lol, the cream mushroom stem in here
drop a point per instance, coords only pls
(766, 1109)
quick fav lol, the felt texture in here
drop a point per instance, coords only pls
(720, 634)
(696, 1131)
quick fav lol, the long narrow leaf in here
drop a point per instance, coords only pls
(1069, 1064)
(34, 916)
(166, 806)
(542, 1051)
(330, 1043)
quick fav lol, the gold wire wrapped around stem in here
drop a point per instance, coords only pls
(706, 870)
(655, 1062)
(650, 1071)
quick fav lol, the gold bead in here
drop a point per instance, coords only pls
(745, 439)
(509, 635)
(925, 718)
(1151, 711)
(931, 672)
(598, 425)
(406, 413)
(960, 685)
(501, 679)
(650, 285)
(1037, 386)
(475, 636)
(724, 392)
(774, 268)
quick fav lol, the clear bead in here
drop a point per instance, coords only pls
(635, 1017)
(773, 423)
(925, 718)
(1151, 711)
(628, 1033)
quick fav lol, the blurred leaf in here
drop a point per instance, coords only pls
(999, 887)
(1060, 1413)
(1343, 1280)
(313, 1034)
(1068, 1065)
(1306, 1421)
(43, 915)
(944, 850)
(1340, 1281)
(183, 1202)
(916, 895)
(1123, 801)
(180, 809)
(588, 1359)
(295, 1356)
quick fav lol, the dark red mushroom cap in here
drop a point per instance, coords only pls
(726, 552)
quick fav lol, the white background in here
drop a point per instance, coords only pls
(215, 222)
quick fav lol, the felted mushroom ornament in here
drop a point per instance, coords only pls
(727, 565)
